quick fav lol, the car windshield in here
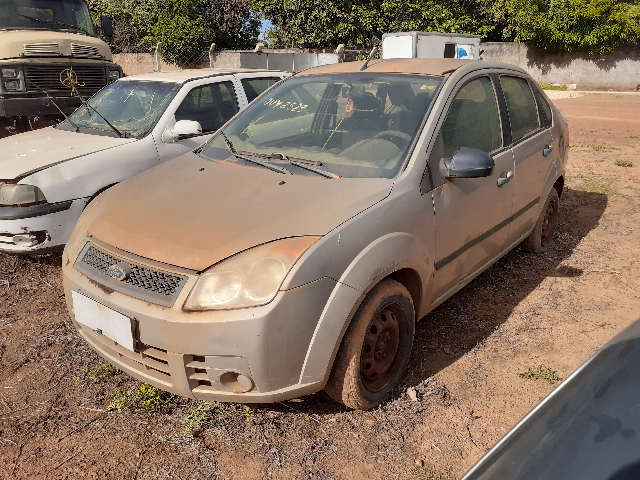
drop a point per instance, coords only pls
(133, 107)
(48, 14)
(353, 125)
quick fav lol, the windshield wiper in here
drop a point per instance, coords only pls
(46, 22)
(253, 160)
(305, 166)
(88, 106)
(56, 105)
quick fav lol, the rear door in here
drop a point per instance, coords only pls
(471, 214)
(531, 141)
(251, 85)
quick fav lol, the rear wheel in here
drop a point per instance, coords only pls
(542, 236)
(375, 349)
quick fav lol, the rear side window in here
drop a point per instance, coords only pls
(523, 111)
(546, 109)
(473, 120)
(210, 105)
(253, 87)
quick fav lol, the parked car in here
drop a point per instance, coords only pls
(296, 250)
(586, 429)
(48, 176)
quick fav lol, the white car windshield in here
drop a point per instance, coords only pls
(353, 125)
(72, 15)
(133, 107)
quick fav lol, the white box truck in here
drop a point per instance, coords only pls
(430, 45)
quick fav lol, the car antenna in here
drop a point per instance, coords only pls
(56, 105)
(376, 47)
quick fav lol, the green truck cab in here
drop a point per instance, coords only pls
(49, 55)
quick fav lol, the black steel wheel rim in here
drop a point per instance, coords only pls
(379, 360)
(549, 223)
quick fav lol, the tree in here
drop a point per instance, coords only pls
(596, 26)
(331, 22)
(185, 28)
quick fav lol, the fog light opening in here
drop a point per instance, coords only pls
(25, 240)
(236, 382)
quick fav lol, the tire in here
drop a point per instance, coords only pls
(375, 349)
(542, 236)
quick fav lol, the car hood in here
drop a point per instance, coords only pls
(29, 152)
(193, 213)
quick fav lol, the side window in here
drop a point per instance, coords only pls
(253, 87)
(210, 105)
(546, 109)
(473, 120)
(522, 108)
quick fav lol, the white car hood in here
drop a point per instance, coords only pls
(32, 151)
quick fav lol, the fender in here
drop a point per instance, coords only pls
(378, 260)
(553, 173)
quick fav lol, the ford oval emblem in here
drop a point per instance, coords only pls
(119, 271)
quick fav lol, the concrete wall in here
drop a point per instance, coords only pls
(288, 61)
(617, 70)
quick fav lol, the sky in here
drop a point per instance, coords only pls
(265, 25)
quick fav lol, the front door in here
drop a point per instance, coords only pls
(211, 105)
(471, 214)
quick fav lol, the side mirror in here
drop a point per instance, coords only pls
(187, 128)
(106, 23)
(469, 163)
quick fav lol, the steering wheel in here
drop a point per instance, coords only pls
(397, 135)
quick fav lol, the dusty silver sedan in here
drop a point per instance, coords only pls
(296, 250)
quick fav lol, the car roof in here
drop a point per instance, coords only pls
(181, 76)
(419, 66)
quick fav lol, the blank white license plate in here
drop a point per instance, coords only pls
(103, 320)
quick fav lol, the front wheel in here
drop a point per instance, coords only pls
(542, 235)
(375, 349)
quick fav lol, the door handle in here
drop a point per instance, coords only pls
(547, 150)
(504, 180)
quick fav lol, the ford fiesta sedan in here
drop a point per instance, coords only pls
(295, 251)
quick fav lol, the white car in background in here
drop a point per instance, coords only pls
(48, 176)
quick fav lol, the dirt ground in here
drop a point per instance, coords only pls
(554, 309)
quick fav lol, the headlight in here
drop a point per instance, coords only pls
(9, 73)
(248, 279)
(114, 75)
(20, 195)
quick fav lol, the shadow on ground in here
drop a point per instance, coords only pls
(478, 310)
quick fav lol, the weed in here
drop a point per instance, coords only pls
(422, 473)
(146, 398)
(633, 136)
(198, 416)
(606, 147)
(552, 86)
(248, 414)
(102, 371)
(544, 373)
(624, 163)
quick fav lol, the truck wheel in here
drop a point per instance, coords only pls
(375, 349)
(542, 235)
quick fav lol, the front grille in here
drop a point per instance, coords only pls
(90, 78)
(141, 282)
(84, 51)
(38, 49)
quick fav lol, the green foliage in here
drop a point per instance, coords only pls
(544, 372)
(624, 163)
(595, 26)
(146, 399)
(331, 22)
(550, 86)
(103, 371)
(199, 415)
(185, 28)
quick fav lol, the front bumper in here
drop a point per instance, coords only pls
(187, 352)
(51, 223)
(32, 106)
